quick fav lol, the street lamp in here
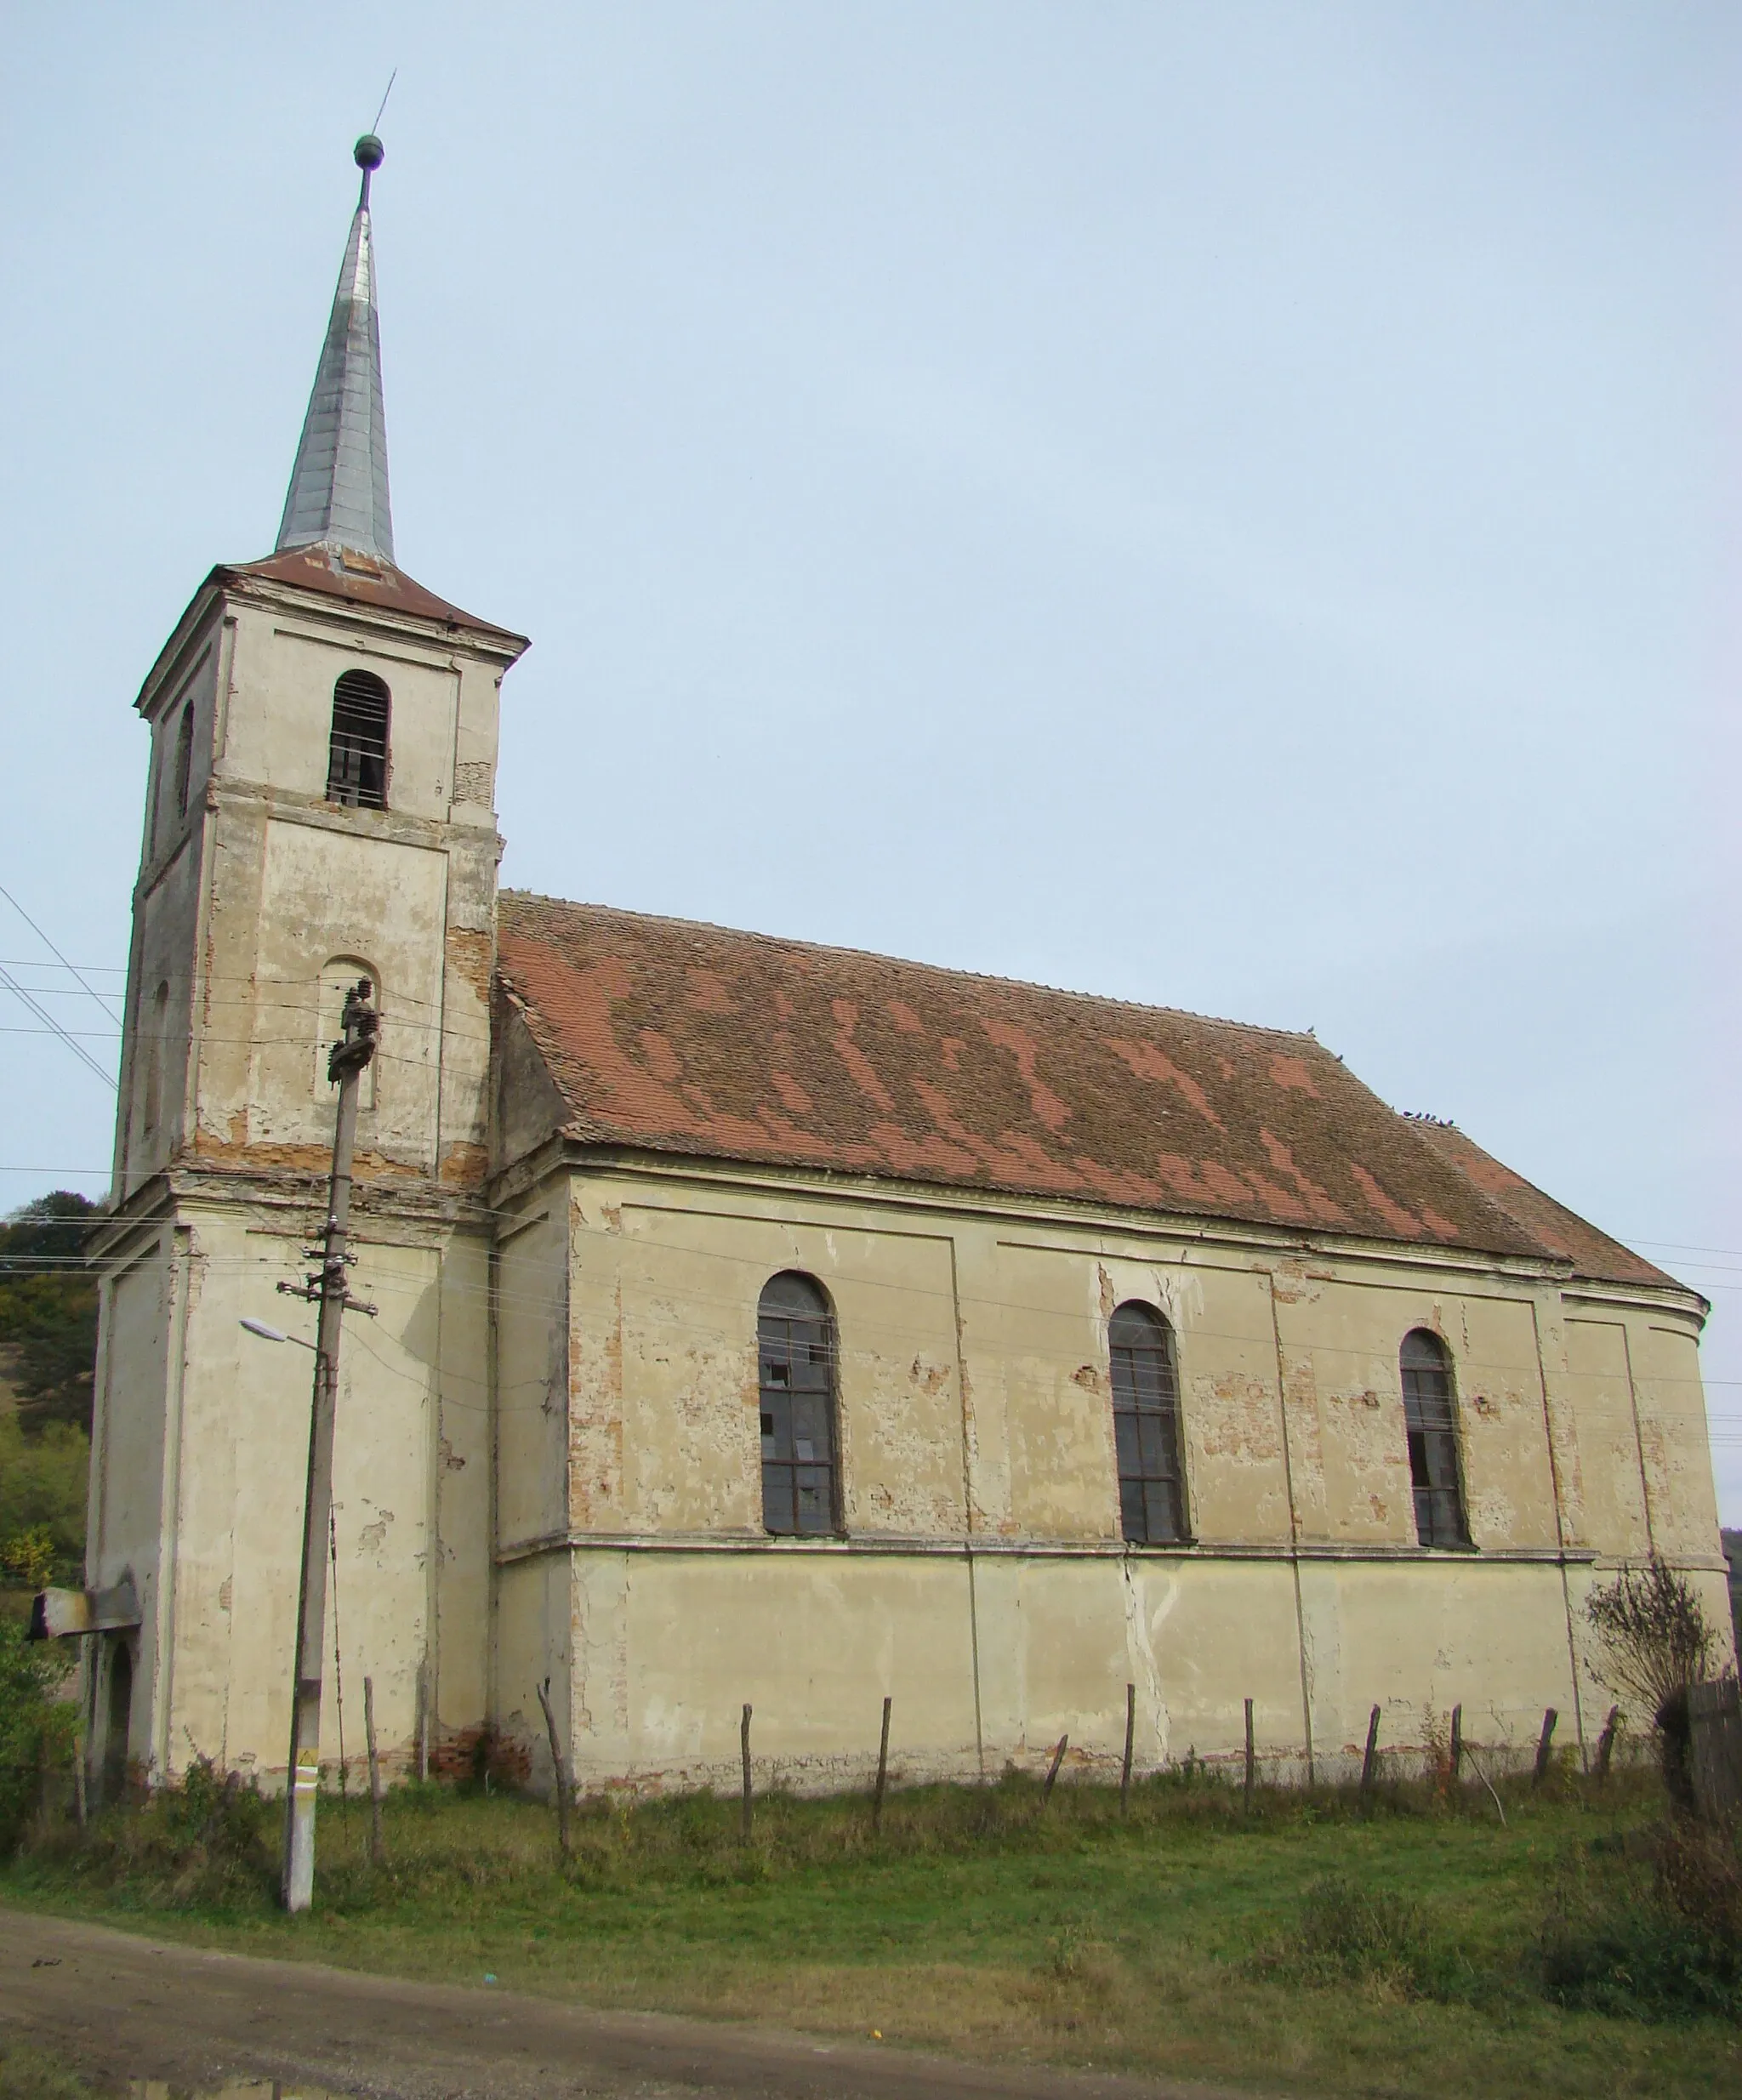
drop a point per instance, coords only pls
(273, 1333)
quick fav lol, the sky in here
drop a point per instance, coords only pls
(1230, 506)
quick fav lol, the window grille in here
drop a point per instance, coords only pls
(1146, 1427)
(796, 1351)
(356, 755)
(1430, 1419)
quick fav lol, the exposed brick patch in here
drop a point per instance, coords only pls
(469, 1753)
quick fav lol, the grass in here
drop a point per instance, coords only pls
(1313, 1946)
(27, 2074)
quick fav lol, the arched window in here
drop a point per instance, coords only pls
(796, 1373)
(1432, 1424)
(1146, 1427)
(184, 758)
(356, 756)
(338, 974)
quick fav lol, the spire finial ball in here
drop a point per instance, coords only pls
(369, 152)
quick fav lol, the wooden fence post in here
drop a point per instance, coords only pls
(378, 1850)
(1457, 1742)
(556, 1766)
(1369, 1761)
(1606, 1742)
(1251, 1759)
(1544, 1743)
(1058, 1758)
(882, 1769)
(1131, 1733)
(744, 1745)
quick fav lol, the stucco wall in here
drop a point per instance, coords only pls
(255, 906)
(990, 1656)
(981, 1580)
(236, 1442)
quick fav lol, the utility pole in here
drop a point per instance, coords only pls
(346, 1064)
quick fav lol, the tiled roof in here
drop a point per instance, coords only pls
(695, 1040)
(360, 581)
(1562, 1232)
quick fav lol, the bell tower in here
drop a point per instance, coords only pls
(319, 808)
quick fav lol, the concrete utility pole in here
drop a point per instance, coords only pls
(346, 1063)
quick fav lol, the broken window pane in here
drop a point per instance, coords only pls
(795, 1350)
(1146, 1427)
(1430, 1424)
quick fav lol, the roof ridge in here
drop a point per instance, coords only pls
(935, 969)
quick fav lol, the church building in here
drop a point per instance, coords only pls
(761, 1324)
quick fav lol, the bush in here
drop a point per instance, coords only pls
(1650, 1929)
(209, 1841)
(1350, 1933)
(37, 1730)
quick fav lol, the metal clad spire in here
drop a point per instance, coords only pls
(338, 495)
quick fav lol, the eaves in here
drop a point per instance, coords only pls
(575, 1154)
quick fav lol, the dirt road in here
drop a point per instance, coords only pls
(118, 2008)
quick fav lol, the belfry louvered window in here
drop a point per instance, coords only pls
(1146, 1427)
(1430, 1419)
(356, 753)
(796, 1375)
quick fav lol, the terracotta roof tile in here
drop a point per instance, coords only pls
(692, 1038)
(1592, 1253)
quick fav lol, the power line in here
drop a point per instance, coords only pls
(69, 1037)
(78, 1049)
(383, 1276)
(56, 952)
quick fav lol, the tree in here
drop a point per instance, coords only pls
(37, 1729)
(29, 1556)
(1654, 1642)
(42, 1482)
(49, 1310)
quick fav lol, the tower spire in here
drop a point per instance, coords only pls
(337, 494)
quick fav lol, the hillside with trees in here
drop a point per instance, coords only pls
(48, 1359)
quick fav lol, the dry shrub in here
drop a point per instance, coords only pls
(1649, 1927)
(1654, 1642)
(1653, 1633)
